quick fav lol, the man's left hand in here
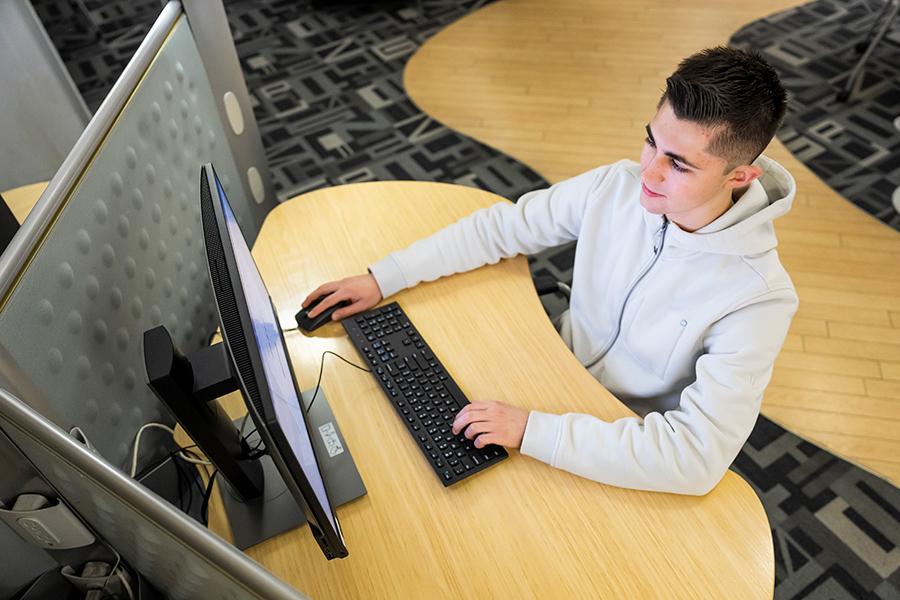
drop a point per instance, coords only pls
(492, 423)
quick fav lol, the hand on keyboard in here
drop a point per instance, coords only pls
(492, 423)
(361, 291)
(421, 391)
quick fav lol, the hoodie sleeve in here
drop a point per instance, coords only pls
(539, 220)
(686, 450)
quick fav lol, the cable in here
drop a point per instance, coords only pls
(115, 566)
(150, 469)
(184, 479)
(125, 584)
(255, 452)
(244, 438)
(180, 474)
(179, 478)
(322, 368)
(137, 442)
(204, 508)
(252, 452)
(118, 573)
(79, 435)
(182, 452)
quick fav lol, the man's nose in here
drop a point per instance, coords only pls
(653, 173)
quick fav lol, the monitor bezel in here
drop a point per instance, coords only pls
(329, 539)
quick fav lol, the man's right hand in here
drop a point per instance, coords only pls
(361, 290)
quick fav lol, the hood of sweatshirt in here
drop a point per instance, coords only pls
(747, 227)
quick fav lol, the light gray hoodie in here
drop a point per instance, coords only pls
(682, 327)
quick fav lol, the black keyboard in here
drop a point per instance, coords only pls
(424, 395)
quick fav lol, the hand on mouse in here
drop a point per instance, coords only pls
(361, 290)
(492, 423)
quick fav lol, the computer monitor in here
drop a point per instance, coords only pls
(173, 552)
(317, 470)
(253, 336)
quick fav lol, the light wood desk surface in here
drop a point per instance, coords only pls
(22, 199)
(521, 529)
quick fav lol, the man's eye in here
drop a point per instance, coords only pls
(650, 141)
(678, 167)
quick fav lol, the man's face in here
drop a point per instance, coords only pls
(679, 177)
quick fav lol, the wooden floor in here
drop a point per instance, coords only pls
(567, 85)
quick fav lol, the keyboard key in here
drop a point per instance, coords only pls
(420, 361)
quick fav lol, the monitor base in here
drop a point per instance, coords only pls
(276, 511)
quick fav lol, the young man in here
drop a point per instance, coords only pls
(679, 303)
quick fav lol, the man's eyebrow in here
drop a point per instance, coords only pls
(671, 155)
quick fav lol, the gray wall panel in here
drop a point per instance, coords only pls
(125, 254)
(177, 555)
(43, 113)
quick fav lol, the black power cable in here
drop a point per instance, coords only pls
(322, 368)
(204, 508)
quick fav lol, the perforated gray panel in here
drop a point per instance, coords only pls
(125, 255)
(178, 556)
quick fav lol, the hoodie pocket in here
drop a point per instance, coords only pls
(652, 336)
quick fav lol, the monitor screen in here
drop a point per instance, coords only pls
(285, 399)
(255, 344)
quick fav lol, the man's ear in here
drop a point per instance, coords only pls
(742, 176)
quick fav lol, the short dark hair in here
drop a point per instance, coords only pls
(736, 89)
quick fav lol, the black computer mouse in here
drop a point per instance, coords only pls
(309, 325)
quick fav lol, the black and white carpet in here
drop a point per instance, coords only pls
(326, 79)
(854, 146)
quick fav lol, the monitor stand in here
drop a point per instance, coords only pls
(256, 499)
(276, 511)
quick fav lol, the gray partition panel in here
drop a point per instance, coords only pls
(42, 112)
(179, 557)
(22, 562)
(209, 25)
(124, 254)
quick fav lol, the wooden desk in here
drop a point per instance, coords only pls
(22, 199)
(521, 529)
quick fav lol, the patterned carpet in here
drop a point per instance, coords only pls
(327, 82)
(853, 146)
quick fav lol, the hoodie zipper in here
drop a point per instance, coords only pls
(657, 251)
